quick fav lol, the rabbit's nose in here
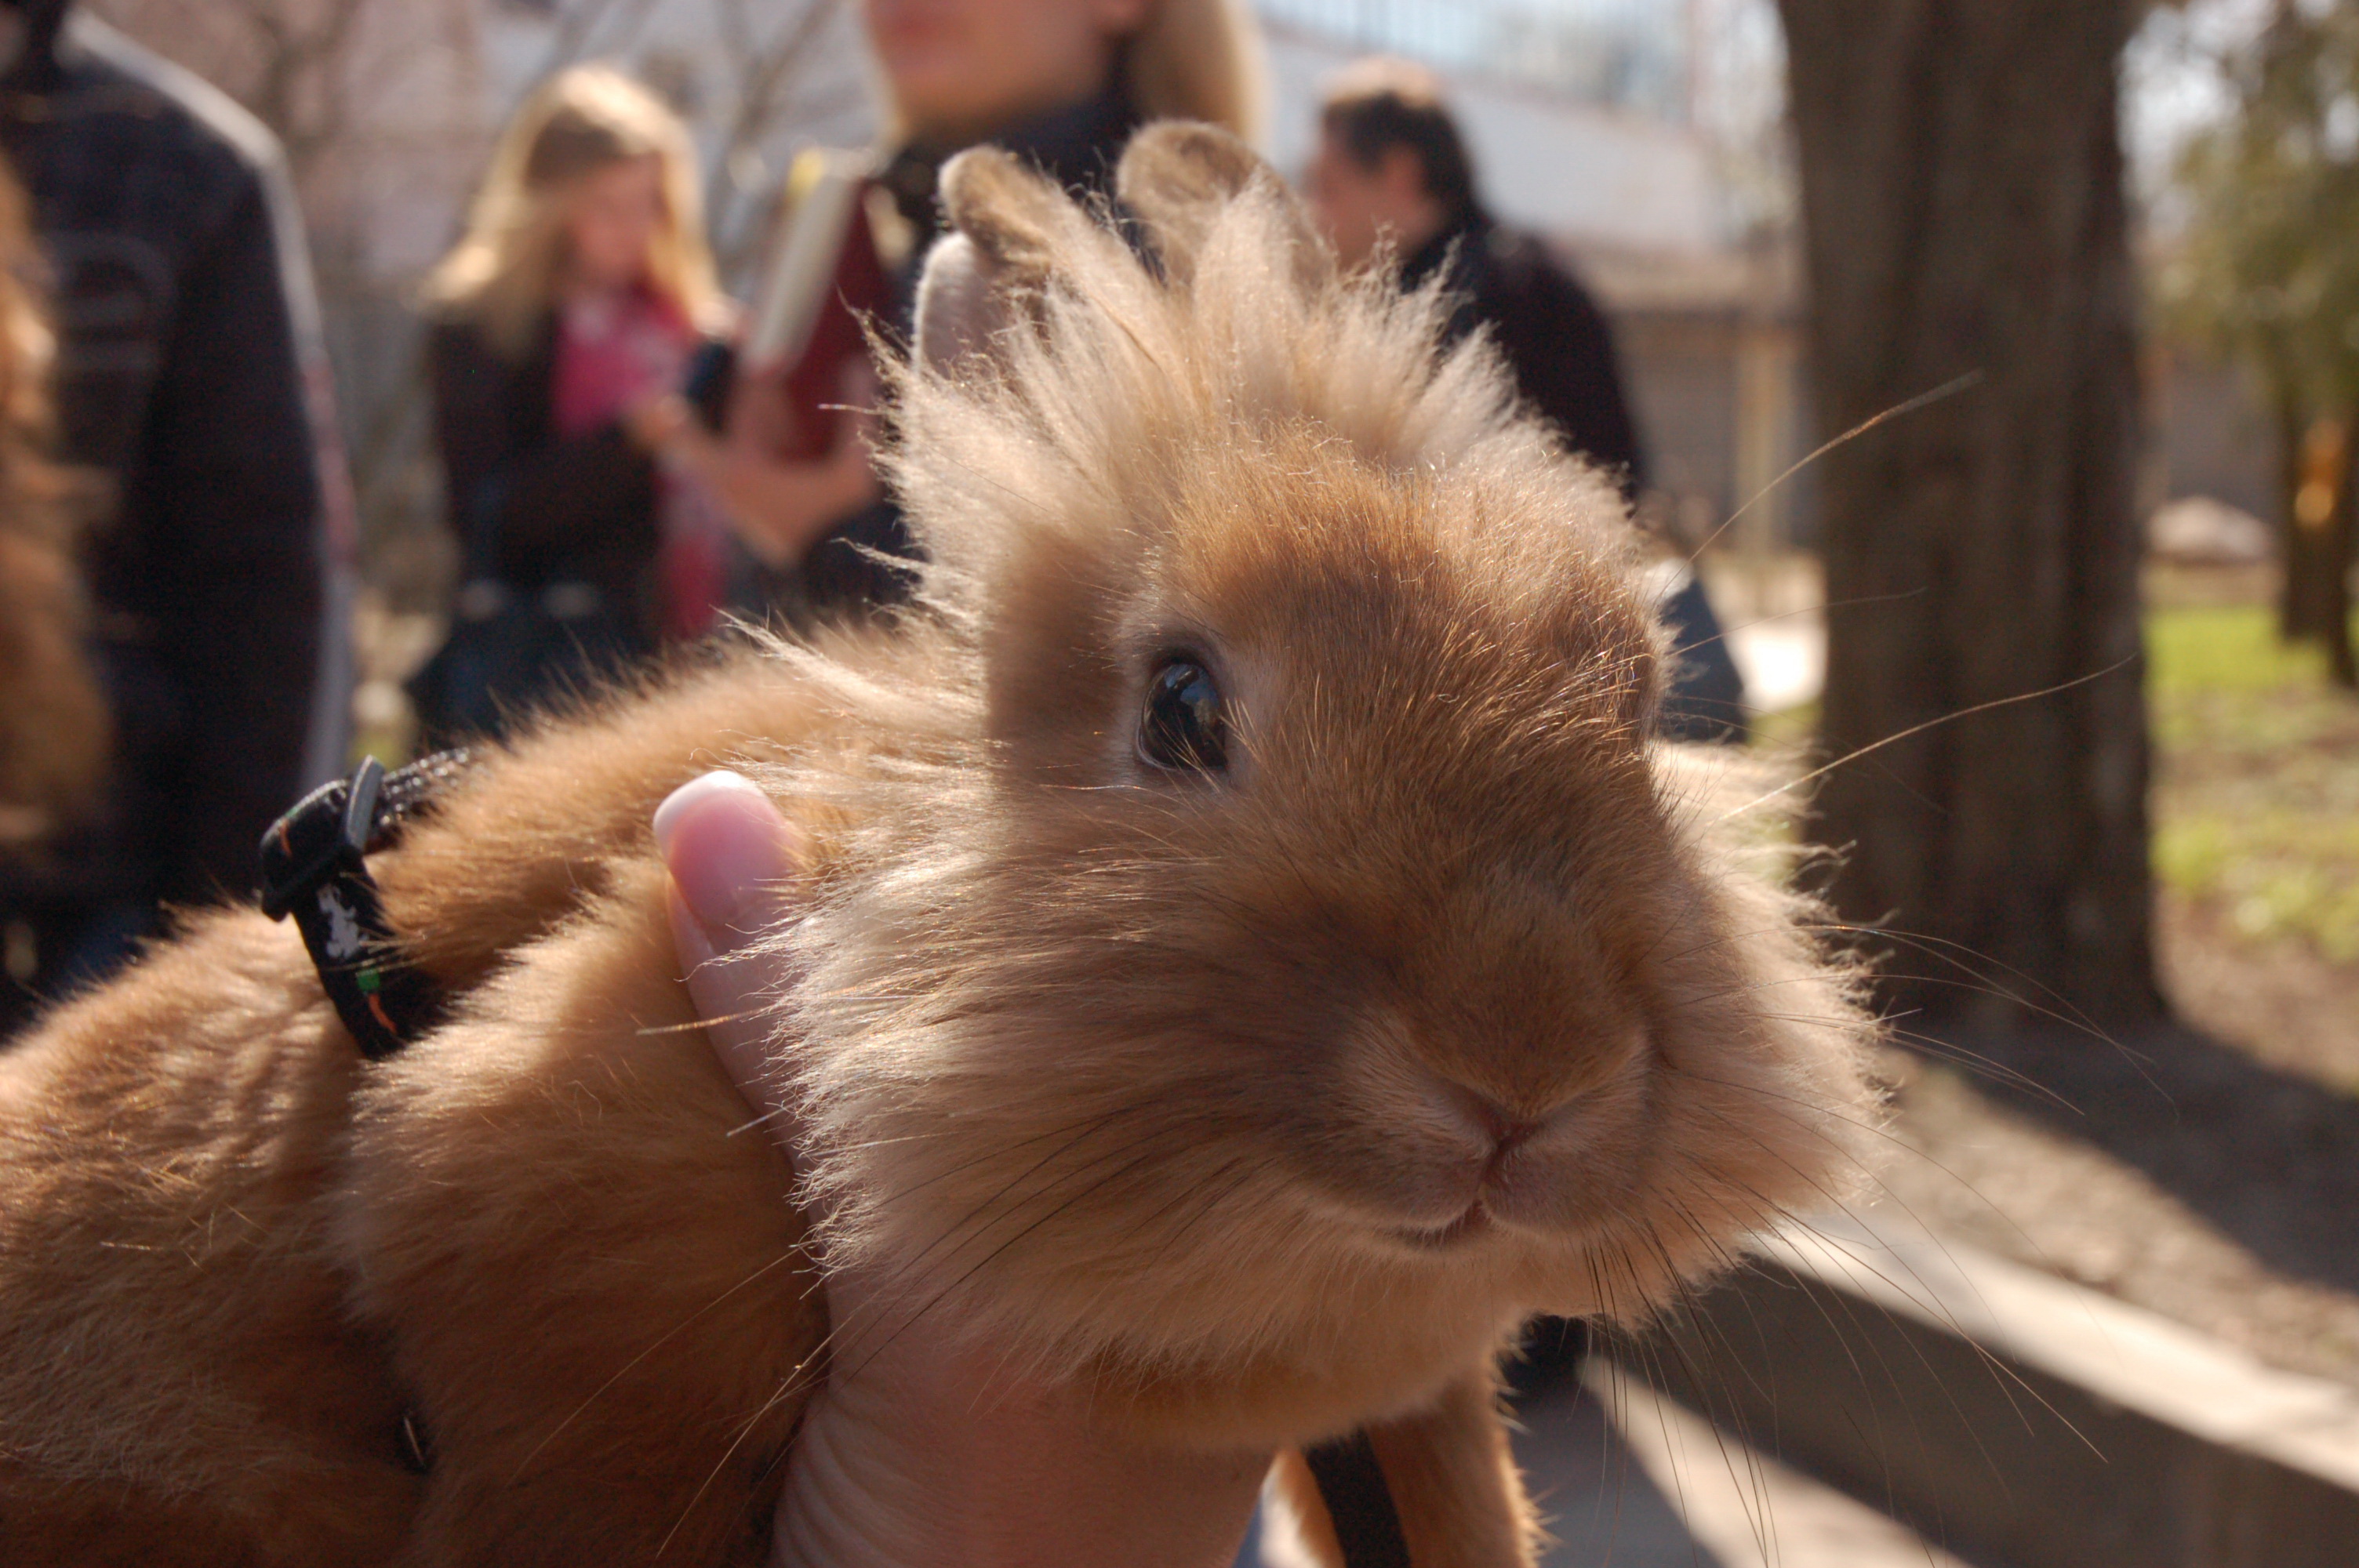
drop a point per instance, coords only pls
(1500, 1130)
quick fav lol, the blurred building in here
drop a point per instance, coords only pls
(2212, 436)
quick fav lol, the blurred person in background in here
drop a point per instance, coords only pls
(1391, 178)
(54, 725)
(191, 380)
(564, 323)
(1061, 82)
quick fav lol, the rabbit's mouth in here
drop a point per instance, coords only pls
(1476, 1223)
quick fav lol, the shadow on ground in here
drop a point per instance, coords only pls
(2268, 1158)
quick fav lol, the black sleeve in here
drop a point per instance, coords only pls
(854, 569)
(1704, 698)
(527, 505)
(227, 494)
(1562, 351)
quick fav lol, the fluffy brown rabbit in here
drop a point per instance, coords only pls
(1253, 958)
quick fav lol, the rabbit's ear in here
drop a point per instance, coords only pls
(1015, 216)
(988, 272)
(956, 313)
(1177, 176)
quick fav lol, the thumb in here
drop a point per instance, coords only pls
(735, 862)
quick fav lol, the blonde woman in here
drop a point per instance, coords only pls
(1064, 83)
(563, 322)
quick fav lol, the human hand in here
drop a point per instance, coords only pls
(656, 421)
(780, 507)
(923, 1450)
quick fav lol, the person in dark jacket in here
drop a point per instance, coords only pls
(565, 322)
(1392, 176)
(189, 379)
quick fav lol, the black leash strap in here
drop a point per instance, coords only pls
(315, 868)
(1351, 1484)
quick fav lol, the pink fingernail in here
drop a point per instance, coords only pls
(728, 850)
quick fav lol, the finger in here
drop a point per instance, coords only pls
(858, 383)
(734, 861)
(857, 390)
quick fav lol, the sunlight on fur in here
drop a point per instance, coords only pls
(1253, 959)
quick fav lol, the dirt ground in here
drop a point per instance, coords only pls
(2208, 1171)
(2187, 1175)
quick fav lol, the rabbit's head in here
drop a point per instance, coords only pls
(1292, 963)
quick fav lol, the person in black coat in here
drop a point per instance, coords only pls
(566, 519)
(191, 381)
(1392, 170)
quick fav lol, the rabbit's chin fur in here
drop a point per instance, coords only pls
(1275, 1095)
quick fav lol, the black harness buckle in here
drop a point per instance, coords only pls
(315, 868)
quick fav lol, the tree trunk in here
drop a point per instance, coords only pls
(2315, 606)
(2323, 563)
(1961, 195)
(2287, 406)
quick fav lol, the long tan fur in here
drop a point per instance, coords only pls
(1267, 1100)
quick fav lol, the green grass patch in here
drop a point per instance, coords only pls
(2225, 647)
(2255, 770)
(2256, 777)
(1790, 730)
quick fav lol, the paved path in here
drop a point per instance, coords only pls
(1627, 1478)
(1783, 660)
(1630, 1480)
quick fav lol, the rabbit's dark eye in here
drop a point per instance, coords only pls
(1183, 727)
